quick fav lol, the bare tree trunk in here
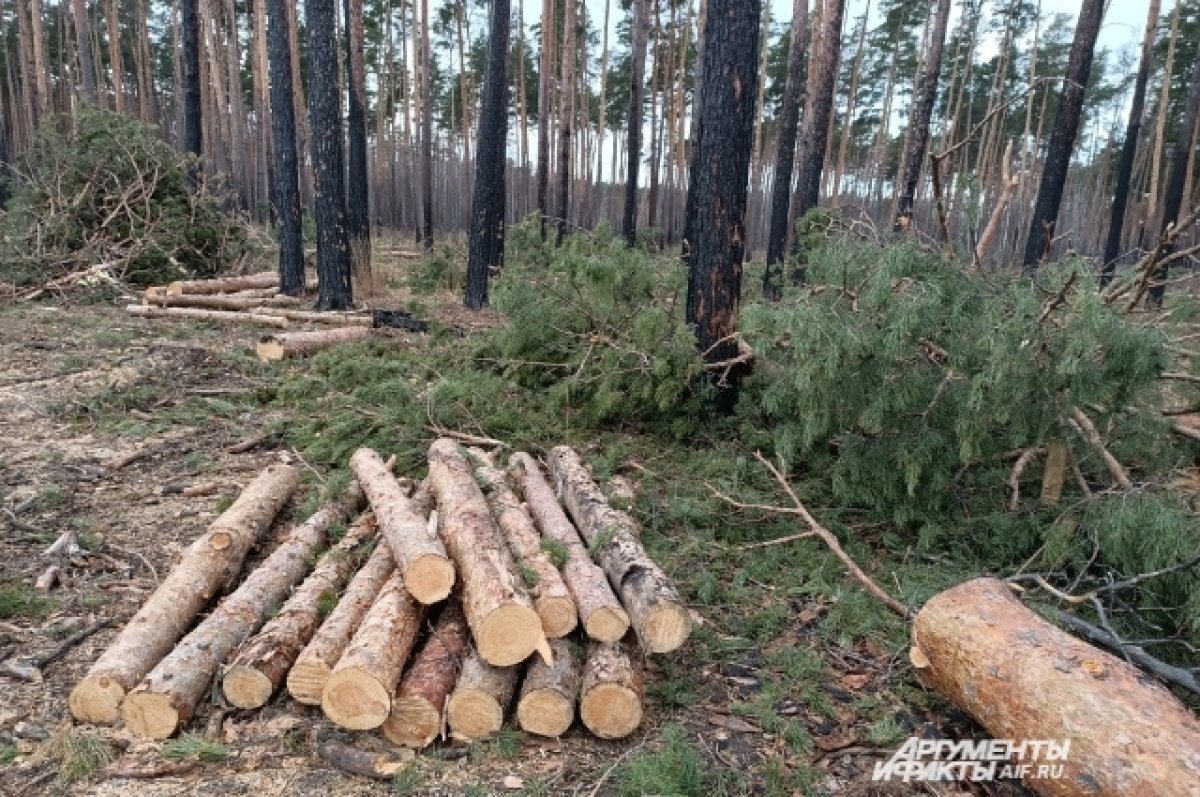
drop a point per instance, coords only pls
(545, 99)
(851, 101)
(262, 106)
(29, 68)
(147, 98)
(303, 130)
(358, 210)
(1160, 127)
(115, 56)
(426, 133)
(566, 117)
(193, 122)
(602, 125)
(283, 129)
(83, 44)
(641, 25)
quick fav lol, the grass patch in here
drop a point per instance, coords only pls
(195, 745)
(8, 754)
(79, 755)
(19, 600)
(678, 768)
(508, 742)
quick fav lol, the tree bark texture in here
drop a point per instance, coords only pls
(416, 716)
(283, 146)
(610, 701)
(633, 139)
(301, 344)
(550, 691)
(476, 708)
(358, 209)
(193, 122)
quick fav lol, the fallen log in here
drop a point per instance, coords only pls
(549, 692)
(550, 596)
(148, 311)
(476, 709)
(220, 301)
(419, 554)
(211, 563)
(306, 680)
(604, 618)
(416, 716)
(272, 348)
(167, 697)
(252, 293)
(264, 279)
(658, 614)
(362, 763)
(1022, 679)
(610, 701)
(505, 627)
(315, 317)
(358, 694)
(262, 662)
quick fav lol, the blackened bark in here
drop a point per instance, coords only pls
(1062, 138)
(83, 43)
(487, 212)
(789, 123)
(426, 134)
(189, 34)
(1116, 223)
(637, 88)
(922, 112)
(358, 221)
(324, 110)
(287, 165)
(721, 172)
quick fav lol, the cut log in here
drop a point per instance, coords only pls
(549, 693)
(209, 565)
(220, 301)
(610, 702)
(604, 618)
(476, 709)
(148, 311)
(252, 293)
(261, 664)
(503, 622)
(166, 699)
(306, 680)
(361, 763)
(416, 718)
(658, 615)
(416, 548)
(314, 317)
(302, 344)
(46, 581)
(358, 694)
(264, 279)
(1022, 678)
(550, 595)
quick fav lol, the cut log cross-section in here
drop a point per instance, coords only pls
(658, 614)
(603, 617)
(610, 702)
(167, 697)
(1022, 678)
(358, 694)
(306, 680)
(302, 344)
(416, 718)
(505, 627)
(550, 595)
(549, 692)
(149, 311)
(261, 664)
(476, 709)
(264, 279)
(210, 564)
(419, 553)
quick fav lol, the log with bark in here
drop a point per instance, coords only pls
(260, 665)
(658, 614)
(220, 301)
(416, 717)
(358, 694)
(476, 708)
(306, 680)
(551, 598)
(549, 692)
(301, 344)
(167, 697)
(419, 554)
(148, 311)
(1023, 678)
(610, 696)
(348, 319)
(604, 618)
(264, 279)
(505, 627)
(209, 565)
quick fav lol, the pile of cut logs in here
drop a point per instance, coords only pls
(442, 605)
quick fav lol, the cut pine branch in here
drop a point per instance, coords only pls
(610, 702)
(604, 618)
(416, 717)
(166, 699)
(505, 627)
(261, 664)
(210, 564)
(301, 344)
(147, 311)
(477, 706)
(550, 691)
(658, 615)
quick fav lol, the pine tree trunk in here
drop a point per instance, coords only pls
(210, 564)
(1160, 126)
(303, 129)
(167, 697)
(426, 133)
(549, 692)
(545, 100)
(633, 139)
(1062, 138)
(566, 119)
(29, 83)
(193, 121)
(83, 45)
(416, 717)
(476, 709)
(287, 166)
(486, 252)
(115, 57)
(260, 84)
(147, 99)
(716, 206)
(789, 122)
(848, 120)
(358, 211)
(602, 124)
(610, 702)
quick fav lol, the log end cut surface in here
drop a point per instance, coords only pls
(607, 624)
(611, 711)
(473, 714)
(246, 687)
(509, 635)
(354, 699)
(667, 627)
(96, 699)
(150, 715)
(430, 578)
(546, 713)
(414, 722)
(269, 350)
(559, 617)
(306, 681)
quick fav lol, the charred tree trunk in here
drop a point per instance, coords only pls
(486, 253)
(283, 131)
(193, 122)
(358, 211)
(1062, 138)
(789, 121)
(324, 104)
(717, 195)
(641, 25)
(922, 113)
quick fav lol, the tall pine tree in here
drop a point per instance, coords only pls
(283, 145)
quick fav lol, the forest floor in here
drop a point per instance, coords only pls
(791, 686)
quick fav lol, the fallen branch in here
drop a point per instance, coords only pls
(1088, 430)
(1014, 480)
(1183, 678)
(133, 770)
(360, 762)
(1185, 431)
(30, 669)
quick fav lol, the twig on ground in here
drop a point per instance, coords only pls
(1088, 430)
